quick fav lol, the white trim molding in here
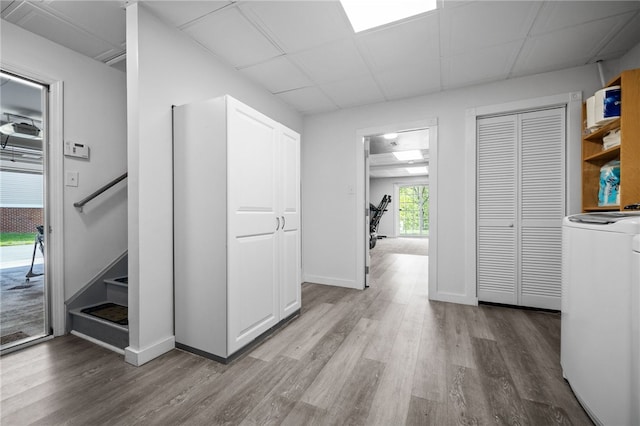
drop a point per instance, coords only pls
(54, 205)
(139, 357)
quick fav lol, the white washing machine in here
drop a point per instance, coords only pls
(600, 340)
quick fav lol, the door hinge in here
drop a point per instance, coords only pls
(366, 153)
(366, 270)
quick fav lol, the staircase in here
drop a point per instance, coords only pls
(90, 320)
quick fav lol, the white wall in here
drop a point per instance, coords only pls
(166, 68)
(378, 187)
(94, 114)
(330, 219)
(629, 61)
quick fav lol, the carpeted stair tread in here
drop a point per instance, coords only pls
(109, 311)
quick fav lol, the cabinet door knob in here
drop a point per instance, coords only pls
(277, 223)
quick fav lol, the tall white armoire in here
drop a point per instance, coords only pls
(236, 226)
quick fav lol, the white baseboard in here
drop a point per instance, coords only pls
(337, 282)
(139, 357)
(97, 342)
(454, 298)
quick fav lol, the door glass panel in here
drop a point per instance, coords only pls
(23, 308)
(414, 210)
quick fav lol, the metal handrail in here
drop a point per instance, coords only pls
(80, 204)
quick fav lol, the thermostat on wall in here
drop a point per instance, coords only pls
(73, 149)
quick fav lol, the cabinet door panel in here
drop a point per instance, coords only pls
(290, 295)
(290, 274)
(253, 288)
(253, 296)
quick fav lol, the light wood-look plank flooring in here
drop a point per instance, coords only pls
(383, 356)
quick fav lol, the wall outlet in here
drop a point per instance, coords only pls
(71, 178)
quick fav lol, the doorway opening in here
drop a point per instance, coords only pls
(24, 307)
(397, 171)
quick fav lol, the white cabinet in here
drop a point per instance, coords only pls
(236, 225)
(521, 203)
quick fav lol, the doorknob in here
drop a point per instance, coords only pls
(277, 223)
(283, 222)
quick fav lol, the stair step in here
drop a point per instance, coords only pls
(118, 290)
(101, 329)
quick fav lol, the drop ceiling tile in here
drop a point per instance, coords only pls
(355, 91)
(489, 64)
(47, 25)
(555, 15)
(107, 19)
(299, 25)
(406, 82)
(482, 24)
(565, 48)
(277, 75)
(229, 35)
(308, 100)
(626, 39)
(331, 62)
(181, 12)
(413, 42)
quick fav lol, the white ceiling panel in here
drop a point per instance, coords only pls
(351, 92)
(627, 38)
(414, 42)
(229, 35)
(111, 27)
(555, 15)
(404, 82)
(181, 12)
(45, 24)
(331, 62)
(277, 75)
(307, 100)
(485, 23)
(479, 65)
(566, 48)
(299, 25)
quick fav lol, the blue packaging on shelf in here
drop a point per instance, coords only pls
(612, 102)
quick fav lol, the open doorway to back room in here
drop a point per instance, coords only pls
(23, 290)
(398, 189)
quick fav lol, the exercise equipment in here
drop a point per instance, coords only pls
(39, 242)
(376, 213)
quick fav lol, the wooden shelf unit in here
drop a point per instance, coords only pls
(628, 152)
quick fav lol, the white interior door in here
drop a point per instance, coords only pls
(253, 221)
(289, 236)
(520, 206)
(496, 209)
(542, 194)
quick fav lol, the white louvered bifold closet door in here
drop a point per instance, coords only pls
(521, 203)
(497, 190)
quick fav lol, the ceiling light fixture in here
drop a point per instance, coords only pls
(366, 14)
(418, 170)
(408, 155)
(390, 136)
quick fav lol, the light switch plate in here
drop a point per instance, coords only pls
(71, 179)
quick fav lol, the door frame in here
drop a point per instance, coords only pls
(54, 203)
(362, 227)
(573, 103)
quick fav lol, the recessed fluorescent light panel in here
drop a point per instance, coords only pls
(366, 14)
(408, 155)
(417, 170)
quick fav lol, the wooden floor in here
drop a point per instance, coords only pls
(384, 356)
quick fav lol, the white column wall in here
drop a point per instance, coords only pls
(166, 68)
